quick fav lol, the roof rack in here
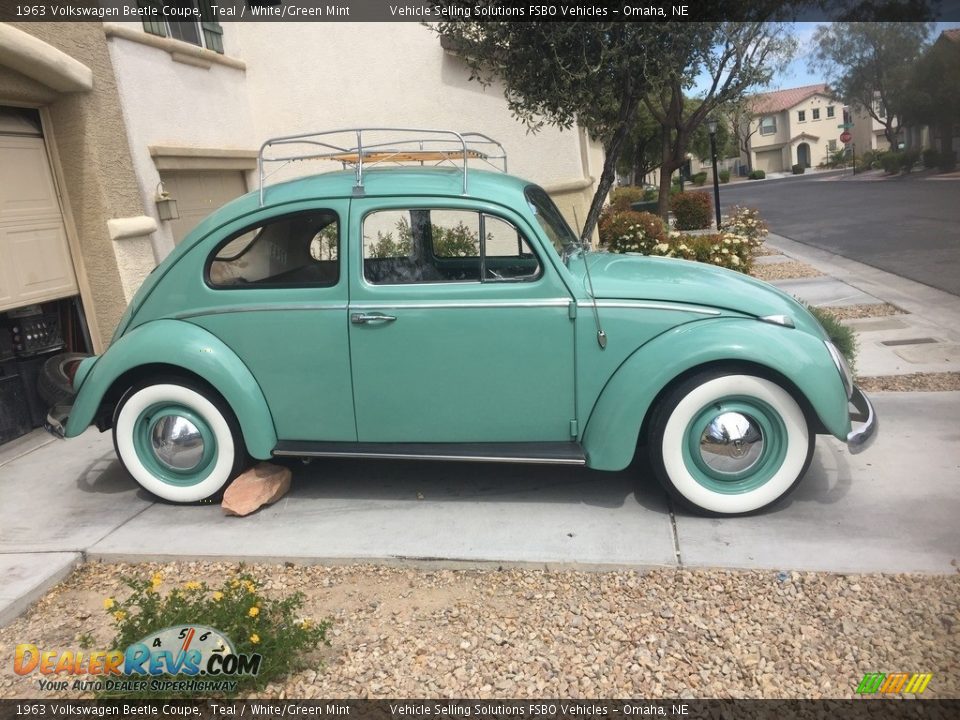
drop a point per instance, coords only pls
(367, 147)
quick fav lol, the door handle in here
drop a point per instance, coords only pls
(371, 318)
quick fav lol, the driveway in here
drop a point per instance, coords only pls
(907, 225)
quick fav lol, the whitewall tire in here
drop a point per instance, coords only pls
(729, 444)
(179, 442)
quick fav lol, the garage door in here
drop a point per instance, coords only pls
(36, 262)
(770, 161)
(199, 193)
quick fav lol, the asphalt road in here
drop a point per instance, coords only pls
(907, 225)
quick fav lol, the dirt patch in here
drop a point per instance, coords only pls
(869, 310)
(922, 382)
(784, 271)
(402, 632)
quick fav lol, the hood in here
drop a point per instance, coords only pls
(639, 277)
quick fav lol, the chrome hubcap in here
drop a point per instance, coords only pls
(731, 443)
(177, 443)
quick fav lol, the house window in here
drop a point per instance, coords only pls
(832, 145)
(816, 113)
(768, 125)
(829, 111)
(801, 115)
(194, 22)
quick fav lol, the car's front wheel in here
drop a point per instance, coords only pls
(180, 441)
(727, 444)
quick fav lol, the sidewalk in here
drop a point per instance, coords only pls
(891, 509)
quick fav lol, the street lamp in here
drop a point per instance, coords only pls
(712, 127)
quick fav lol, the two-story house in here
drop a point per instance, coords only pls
(793, 126)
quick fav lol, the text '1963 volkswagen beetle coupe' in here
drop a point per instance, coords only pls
(439, 311)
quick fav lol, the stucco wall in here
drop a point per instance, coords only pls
(88, 137)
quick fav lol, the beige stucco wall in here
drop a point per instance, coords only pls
(86, 138)
(791, 132)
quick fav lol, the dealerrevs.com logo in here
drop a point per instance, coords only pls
(893, 683)
(182, 658)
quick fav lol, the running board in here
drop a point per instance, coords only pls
(540, 453)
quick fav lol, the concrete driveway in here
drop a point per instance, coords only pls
(892, 509)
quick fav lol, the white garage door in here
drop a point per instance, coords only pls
(770, 161)
(199, 193)
(35, 261)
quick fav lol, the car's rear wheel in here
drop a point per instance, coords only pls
(180, 441)
(728, 444)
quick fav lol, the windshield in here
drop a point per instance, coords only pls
(565, 242)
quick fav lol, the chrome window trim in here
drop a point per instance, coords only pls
(648, 306)
(405, 456)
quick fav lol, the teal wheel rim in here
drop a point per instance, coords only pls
(760, 470)
(144, 443)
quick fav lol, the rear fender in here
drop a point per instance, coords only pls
(191, 348)
(612, 430)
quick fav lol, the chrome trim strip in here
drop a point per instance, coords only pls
(648, 306)
(860, 439)
(387, 305)
(258, 308)
(405, 456)
(782, 320)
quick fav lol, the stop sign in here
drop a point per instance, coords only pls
(845, 137)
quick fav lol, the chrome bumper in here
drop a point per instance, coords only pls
(56, 421)
(860, 437)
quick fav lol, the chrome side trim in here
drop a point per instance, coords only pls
(782, 320)
(259, 308)
(648, 306)
(405, 456)
(387, 305)
(860, 439)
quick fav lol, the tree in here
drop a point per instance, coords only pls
(737, 57)
(868, 65)
(743, 128)
(641, 150)
(592, 73)
(933, 96)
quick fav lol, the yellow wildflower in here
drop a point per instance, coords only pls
(156, 580)
(254, 611)
(120, 615)
(254, 638)
(249, 586)
(306, 623)
(217, 596)
(192, 585)
(108, 603)
(234, 583)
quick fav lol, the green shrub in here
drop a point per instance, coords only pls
(756, 175)
(931, 158)
(254, 623)
(891, 162)
(745, 223)
(622, 198)
(700, 179)
(909, 159)
(631, 231)
(650, 193)
(693, 210)
(724, 176)
(797, 169)
(840, 335)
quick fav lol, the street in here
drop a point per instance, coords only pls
(907, 225)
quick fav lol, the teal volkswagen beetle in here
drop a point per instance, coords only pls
(448, 312)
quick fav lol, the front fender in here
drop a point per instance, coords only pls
(610, 435)
(187, 346)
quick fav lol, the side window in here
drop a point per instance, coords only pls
(300, 250)
(433, 245)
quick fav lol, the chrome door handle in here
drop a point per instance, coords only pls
(375, 318)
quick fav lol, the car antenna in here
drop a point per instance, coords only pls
(601, 335)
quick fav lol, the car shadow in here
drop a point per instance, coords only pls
(369, 479)
(105, 475)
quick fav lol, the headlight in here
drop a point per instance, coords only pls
(842, 367)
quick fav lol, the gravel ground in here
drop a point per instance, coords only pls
(856, 312)
(403, 632)
(784, 270)
(924, 382)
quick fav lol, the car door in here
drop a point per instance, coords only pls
(455, 339)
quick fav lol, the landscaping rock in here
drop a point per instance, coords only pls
(260, 485)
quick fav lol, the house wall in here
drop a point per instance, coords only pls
(791, 132)
(84, 133)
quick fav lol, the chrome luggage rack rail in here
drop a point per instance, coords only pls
(408, 145)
